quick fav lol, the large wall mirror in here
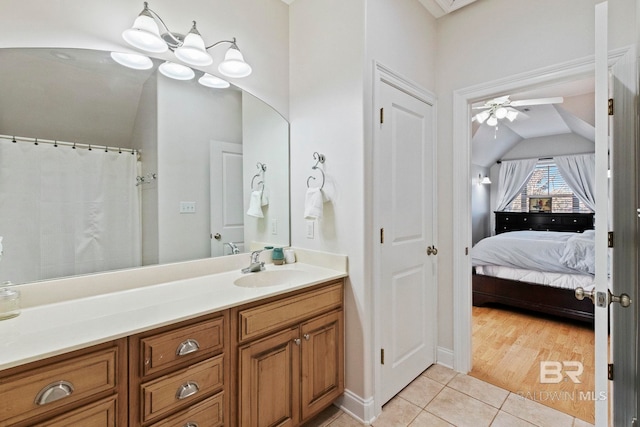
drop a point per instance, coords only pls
(103, 167)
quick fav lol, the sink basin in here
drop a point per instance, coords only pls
(270, 278)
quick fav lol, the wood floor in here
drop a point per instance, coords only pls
(509, 345)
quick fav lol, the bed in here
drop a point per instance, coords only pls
(535, 270)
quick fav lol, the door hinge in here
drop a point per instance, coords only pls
(382, 115)
(610, 239)
(611, 106)
(382, 356)
(634, 422)
(610, 371)
(466, 250)
(382, 235)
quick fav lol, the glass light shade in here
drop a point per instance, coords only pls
(511, 115)
(501, 112)
(145, 35)
(213, 81)
(485, 180)
(193, 51)
(492, 121)
(481, 117)
(234, 65)
(176, 71)
(132, 60)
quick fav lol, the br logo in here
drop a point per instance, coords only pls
(554, 372)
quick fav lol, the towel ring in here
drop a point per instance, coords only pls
(319, 159)
(262, 168)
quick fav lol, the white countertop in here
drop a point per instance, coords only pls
(46, 330)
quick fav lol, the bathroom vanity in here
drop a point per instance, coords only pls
(202, 351)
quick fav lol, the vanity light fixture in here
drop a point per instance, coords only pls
(213, 81)
(132, 60)
(190, 49)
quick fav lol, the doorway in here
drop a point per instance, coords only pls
(462, 234)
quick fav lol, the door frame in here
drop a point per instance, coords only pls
(385, 75)
(462, 100)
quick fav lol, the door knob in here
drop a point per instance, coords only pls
(624, 299)
(432, 250)
(217, 236)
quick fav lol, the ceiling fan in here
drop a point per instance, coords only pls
(504, 108)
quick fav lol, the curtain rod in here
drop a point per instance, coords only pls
(539, 158)
(37, 141)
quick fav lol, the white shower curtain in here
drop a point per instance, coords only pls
(66, 211)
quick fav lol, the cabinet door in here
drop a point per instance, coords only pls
(268, 377)
(322, 362)
(98, 414)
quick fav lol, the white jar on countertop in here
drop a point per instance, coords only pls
(9, 301)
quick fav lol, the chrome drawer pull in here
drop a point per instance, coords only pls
(54, 391)
(190, 424)
(306, 337)
(188, 346)
(186, 390)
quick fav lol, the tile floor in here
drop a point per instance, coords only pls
(442, 397)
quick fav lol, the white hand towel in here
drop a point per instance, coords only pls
(255, 204)
(314, 203)
(265, 196)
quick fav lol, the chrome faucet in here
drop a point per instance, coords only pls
(234, 248)
(255, 265)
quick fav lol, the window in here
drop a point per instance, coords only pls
(546, 181)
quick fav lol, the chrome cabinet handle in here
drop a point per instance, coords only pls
(54, 391)
(190, 424)
(297, 341)
(186, 390)
(306, 337)
(188, 346)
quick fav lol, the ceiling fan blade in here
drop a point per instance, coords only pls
(499, 100)
(539, 101)
(481, 107)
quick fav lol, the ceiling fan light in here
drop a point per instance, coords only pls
(501, 113)
(176, 71)
(492, 121)
(511, 115)
(132, 60)
(482, 116)
(234, 64)
(145, 34)
(193, 51)
(213, 81)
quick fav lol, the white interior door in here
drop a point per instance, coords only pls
(405, 203)
(624, 223)
(227, 212)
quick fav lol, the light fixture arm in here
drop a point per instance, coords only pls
(232, 42)
(152, 13)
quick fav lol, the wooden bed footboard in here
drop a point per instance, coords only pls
(530, 296)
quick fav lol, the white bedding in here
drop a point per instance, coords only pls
(540, 251)
(557, 280)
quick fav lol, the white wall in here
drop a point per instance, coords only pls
(480, 206)
(549, 146)
(261, 29)
(333, 45)
(473, 49)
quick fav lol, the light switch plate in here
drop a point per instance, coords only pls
(187, 207)
(274, 226)
(310, 229)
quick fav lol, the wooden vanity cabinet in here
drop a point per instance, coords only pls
(178, 374)
(86, 387)
(289, 357)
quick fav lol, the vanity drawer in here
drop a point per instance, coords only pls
(170, 392)
(168, 349)
(269, 317)
(99, 414)
(208, 413)
(54, 386)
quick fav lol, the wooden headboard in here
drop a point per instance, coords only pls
(543, 221)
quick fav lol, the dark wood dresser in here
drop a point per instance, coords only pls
(543, 221)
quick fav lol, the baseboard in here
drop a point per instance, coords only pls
(357, 407)
(444, 357)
